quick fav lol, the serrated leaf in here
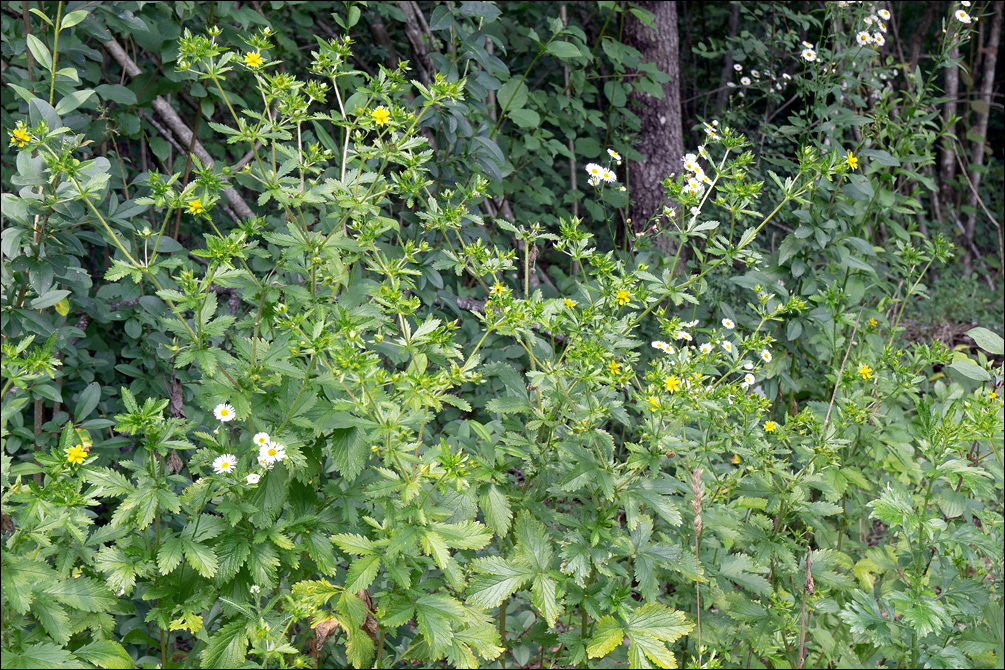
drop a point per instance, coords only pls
(105, 654)
(349, 452)
(362, 573)
(544, 597)
(495, 506)
(227, 647)
(498, 580)
(507, 405)
(607, 635)
(352, 543)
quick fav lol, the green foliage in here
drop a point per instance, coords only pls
(407, 412)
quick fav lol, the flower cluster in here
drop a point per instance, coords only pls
(599, 173)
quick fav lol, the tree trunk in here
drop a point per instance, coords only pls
(661, 137)
(947, 163)
(983, 113)
(727, 64)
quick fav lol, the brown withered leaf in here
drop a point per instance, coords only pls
(175, 398)
(174, 462)
(324, 630)
(6, 523)
(370, 626)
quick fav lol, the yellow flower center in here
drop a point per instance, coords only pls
(770, 426)
(254, 59)
(623, 297)
(672, 384)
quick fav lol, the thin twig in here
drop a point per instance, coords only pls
(837, 382)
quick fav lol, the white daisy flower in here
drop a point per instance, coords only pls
(728, 324)
(745, 81)
(808, 45)
(609, 176)
(694, 211)
(809, 55)
(260, 439)
(786, 76)
(658, 344)
(224, 412)
(593, 181)
(965, 3)
(615, 155)
(666, 349)
(693, 186)
(863, 38)
(748, 366)
(594, 170)
(690, 324)
(706, 348)
(755, 73)
(961, 16)
(748, 380)
(225, 463)
(690, 163)
(729, 398)
(727, 346)
(702, 177)
(881, 26)
(253, 478)
(765, 355)
(883, 14)
(265, 463)
(730, 84)
(682, 335)
(273, 452)
(737, 67)
(868, 20)
(878, 39)
(703, 153)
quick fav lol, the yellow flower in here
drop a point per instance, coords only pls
(380, 115)
(253, 59)
(654, 401)
(76, 454)
(497, 289)
(735, 460)
(865, 371)
(852, 161)
(570, 303)
(770, 426)
(672, 383)
(614, 367)
(195, 206)
(873, 322)
(623, 297)
(19, 137)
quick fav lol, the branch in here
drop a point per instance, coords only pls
(180, 130)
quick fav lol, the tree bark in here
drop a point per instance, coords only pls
(727, 64)
(947, 164)
(983, 113)
(661, 137)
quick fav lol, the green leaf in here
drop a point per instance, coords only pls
(659, 621)
(88, 400)
(507, 404)
(83, 593)
(433, 614)
(498, 580)
(544, 597)
(495, 506)
(533, 539)
(525, 118)
(513, 94)
(49, 299)
(362, 573)
(40, 52)
(970, 370)
(227, 647)
(200, 557)
(53, 619)
(607, 635)
(105, 654)
(116, 93)
(45, 655)
(988, 341)
(73, 100)
(72, 19)
(351, 543)
(349, 452)
(564, 50)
